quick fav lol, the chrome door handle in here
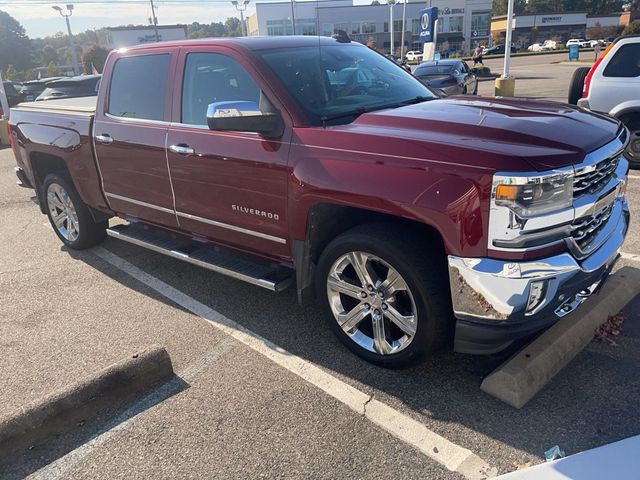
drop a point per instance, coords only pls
(182, 149)
(104, 138)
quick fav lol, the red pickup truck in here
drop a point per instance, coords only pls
(415, 221)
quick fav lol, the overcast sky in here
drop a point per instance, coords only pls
(39, 19)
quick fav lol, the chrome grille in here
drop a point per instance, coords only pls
(584, 230)
(592, 178)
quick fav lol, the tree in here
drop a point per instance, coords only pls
(375, 2)
(632, 28)
(10, 73)
(53, 70)
(96, 56)
(232, 24)
(15, 46)
(500, 7)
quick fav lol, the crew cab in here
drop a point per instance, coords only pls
(415, 221)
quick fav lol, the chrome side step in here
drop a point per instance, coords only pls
(263, 274)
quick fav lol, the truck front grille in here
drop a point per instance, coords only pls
(590, 179)
(584, 230)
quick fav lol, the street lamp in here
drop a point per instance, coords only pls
(241, 7)
(391, 4)
(74, 54)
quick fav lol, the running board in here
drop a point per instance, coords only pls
(261, 273)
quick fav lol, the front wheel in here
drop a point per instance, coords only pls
(69, 216)
(632, 152)
(384, 296)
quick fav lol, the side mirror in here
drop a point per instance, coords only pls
(244, 116)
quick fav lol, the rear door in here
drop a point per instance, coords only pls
(618, 79)
(229, 186)
(130, 134)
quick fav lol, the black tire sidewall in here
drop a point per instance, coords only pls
(632, 125)
(423, 341)
(577, 84)
(91, 232)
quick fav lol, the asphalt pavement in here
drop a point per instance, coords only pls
(237, 412)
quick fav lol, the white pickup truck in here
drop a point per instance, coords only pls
(612, 86)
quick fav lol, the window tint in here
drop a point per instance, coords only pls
(211, 78)
(625, 63)
(138, 87)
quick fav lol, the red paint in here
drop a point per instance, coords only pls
(431, 162)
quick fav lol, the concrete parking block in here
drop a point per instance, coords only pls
(517, 380)
(61, 411)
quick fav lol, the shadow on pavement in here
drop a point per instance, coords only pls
(593, 401)
(87, 433)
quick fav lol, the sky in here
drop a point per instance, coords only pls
(39, 19)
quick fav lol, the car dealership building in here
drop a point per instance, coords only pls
(462, 23)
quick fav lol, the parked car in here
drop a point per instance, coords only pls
(414, 221)
(31, 89)
(13, 95)
(576, 41)
(612, 86)
(453, 76)
(498, 50)
(413, 56)
(80, 86)
(536, 47)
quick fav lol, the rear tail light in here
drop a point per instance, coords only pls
(587, 80)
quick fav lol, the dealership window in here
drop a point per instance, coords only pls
(326, 29)
(481, 24)
(415, 26)
(368, 27)
(136, 85)
(625, 63)
(279, 27)
(340, 26)
(455, 23)
(210, 78)
(355, 28)
(397, 25)
(306, 26)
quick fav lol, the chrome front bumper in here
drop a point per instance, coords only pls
(492, 297)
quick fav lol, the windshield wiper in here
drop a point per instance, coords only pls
(359, 111)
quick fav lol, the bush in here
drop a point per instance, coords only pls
(632, 28)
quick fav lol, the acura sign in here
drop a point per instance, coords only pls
(428, 17)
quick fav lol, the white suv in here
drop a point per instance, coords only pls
(612, 86)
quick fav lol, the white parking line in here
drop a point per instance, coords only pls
(436, 447)
(633, 176)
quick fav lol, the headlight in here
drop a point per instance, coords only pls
(534, 195)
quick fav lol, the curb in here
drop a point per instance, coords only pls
(518, 380)
(61, 411)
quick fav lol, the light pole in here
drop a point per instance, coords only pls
(241, 7)
(391, 4)
(404, 19)
(72, 43)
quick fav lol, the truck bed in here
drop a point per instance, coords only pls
(80, 105)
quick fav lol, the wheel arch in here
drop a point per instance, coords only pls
(326, 221)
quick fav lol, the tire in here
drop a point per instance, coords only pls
(75, 226)
(464, 90)
(577, 84)
(632, 153)
(423, 308)
(475, 90)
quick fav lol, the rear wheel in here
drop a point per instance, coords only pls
(632, 153)
(69, 216)
(383, 297)
(577, 84)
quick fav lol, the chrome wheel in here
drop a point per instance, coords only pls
(63, 212)
(633, 149)
(372, 303)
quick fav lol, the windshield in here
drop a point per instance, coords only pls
(434, 70)
(334, 84)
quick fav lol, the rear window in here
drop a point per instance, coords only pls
(434, 70)
(625, 63)
(138, 86)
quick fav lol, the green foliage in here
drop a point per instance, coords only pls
(15, 46)
(632, 28)
(10, 74)
(375, 2)
(97, 56)
(53, 70)
(230, 28)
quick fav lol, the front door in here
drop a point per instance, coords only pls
(130, 137)
(229, 186)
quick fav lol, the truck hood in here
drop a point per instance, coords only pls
(496, 132)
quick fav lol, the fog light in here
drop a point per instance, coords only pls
(537, 292)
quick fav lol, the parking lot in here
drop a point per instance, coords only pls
(259, 398)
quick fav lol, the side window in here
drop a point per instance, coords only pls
(138, 87)
(211, 78)
(625, 63)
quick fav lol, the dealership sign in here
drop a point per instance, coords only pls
(428, 18)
